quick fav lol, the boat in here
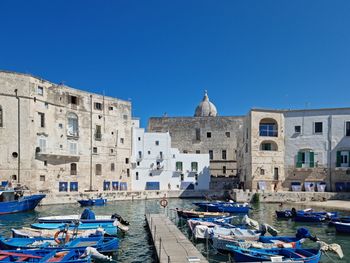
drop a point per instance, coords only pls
(342, 219)
(13, 201)
(102, 244)
(44, 255)
(199, 214)
(88, 216)
(307, 215)
(109, 228)
(341, 227)
(275, 255)
(44, 233)
(227, 207)
(93, 201)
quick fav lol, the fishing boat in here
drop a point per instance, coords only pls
(199, 214)
(307, 215)
(27, 232)
(225, 207)
(93, 201)
(13, 201)
(88, 216)
(44, 255)
(275, 255)
(102, 244)
(109, 228)
(342, 219)
(342, 227)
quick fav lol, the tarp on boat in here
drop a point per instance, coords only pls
(87, 214)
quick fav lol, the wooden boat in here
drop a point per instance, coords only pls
(199, 214)
(44, 233)
(343, 219)
(92, 202)
(37, 255)
(225, 207)
(342, 227)
(306, 215)
(102, 244)
(12, 201)
(275, 255)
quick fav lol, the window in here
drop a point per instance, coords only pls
(139, 138)
(182, 177)
(208, 134)
(198, 151)
(42, 143)
(198, 134)
(73, 186)
(60, 125)
(72, 127)
(305, 159)
(161, 155)
(347, 126)
(228, 134)
(137, 175)
(128, 172)
(112, 167)
(122, 140)
(73, 148)
(63, 186)
(179, 166)
(98, 169)
(73, 100)
(125, 117)
(211, 155)
(268, 127)
(223, 154)
(224, 169)
(157, 143)
(98, 133)
(275, 174)
(41, 119)
(343, 159)
(73, 169)
(318, 127)
(266, 146)
(194, 166)
(149, 152)
(1, 117)
(262, 171)
(40, 91)
(297, 129)
(139, 155)
(196, 177)
(246, 147)
(42, 178)
(45, 163)
(126, 160)
(110, 108)
(111, 151)
(98, 106)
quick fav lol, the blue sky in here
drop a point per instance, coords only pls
(162, 55)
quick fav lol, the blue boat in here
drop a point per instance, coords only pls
(11, 201)
(102, 244)
(92, 202)
(225, 207)
(109, 228)
(343, 219)
(341, 227)
(280, 254)
(44, 255)
(306, 215)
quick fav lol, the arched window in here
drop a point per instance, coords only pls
(73, 169)
(268, 146)
(72, 127)
(268, 127)
(1, 119)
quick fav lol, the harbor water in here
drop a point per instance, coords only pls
(136, 245)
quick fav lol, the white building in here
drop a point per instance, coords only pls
(157, 166)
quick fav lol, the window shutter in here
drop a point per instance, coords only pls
(312, 159)
(349, 160)
(338, 158)
(299, 158)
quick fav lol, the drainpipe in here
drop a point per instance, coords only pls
(90, 187)
(329, 151)
(18, 137)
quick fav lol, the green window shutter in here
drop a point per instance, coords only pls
(312, 159)
(338, 158)
(299, 160)
(349, 160)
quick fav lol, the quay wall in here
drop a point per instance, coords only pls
(287, 196)
(65, 198)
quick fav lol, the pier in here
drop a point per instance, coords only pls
(170, 243)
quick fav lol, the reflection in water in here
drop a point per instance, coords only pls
(136, 245)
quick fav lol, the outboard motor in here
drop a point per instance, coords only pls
(120, 219)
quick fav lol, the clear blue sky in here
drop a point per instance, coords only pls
(163, 54)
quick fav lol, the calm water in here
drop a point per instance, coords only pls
(136, 245)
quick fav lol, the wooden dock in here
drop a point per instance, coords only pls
(170, 243)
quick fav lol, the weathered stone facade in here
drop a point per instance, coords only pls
(64, 139)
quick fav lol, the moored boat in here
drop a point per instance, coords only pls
(225, 207)
(93, 201)
(12, 201)
(341, 227)
(199, 214)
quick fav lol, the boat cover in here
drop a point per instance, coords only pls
(88, 214)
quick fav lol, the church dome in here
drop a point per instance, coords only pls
(205, 108)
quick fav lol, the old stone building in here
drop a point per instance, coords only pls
(54, 138)
(205, 133)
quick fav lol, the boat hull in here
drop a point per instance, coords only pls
(342, 227)
(25, 203)
(93, 202)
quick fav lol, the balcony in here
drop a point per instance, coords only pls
(56, 154)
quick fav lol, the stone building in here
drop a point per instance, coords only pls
(205, 133)
(158, 166)
(54, 138)
(296, 149)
